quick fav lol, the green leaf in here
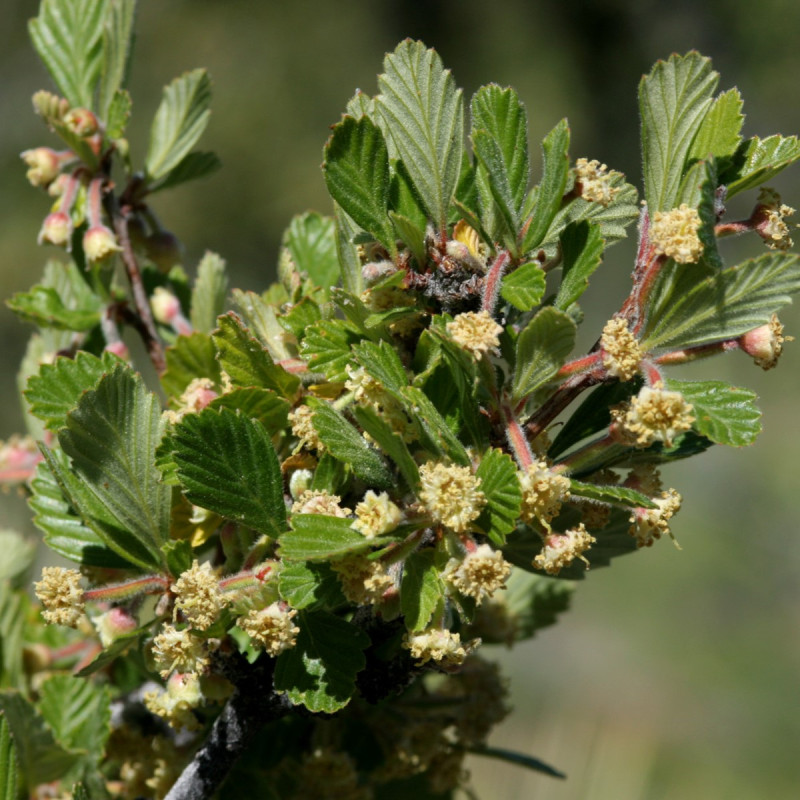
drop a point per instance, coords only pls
(78, 712)
(423, 113)
(360, 104)
(719, 133)
(500, 140)
(68, 35)
(58, 386)
(39, 757)
(304, 584)
(247, 362)
(259, 315)
(193, 356)
(347, 252)
(356, 171)
(19, 554)
(382, 363)
(318, 537)
(263, 405)
(15, 608)
(405, 202)
(421, 589)
(118, 114)
(311, 240)
(44, 306)
(346, 444)
(613, 495)
(227, 464)
(726, 304)
(524, 287)
(550, 192)
(435, 434)
(412, 234)
(673, 101)
(111, 437)
(191, 167)
(725, 414)
(117, 46)
(208, 295)
(542, 348)
(582, 248)
(535, 601)
(8, 762)
(390, 442)
(327, 346)
(319, 672)
(300, 317)
(758, 160)
(179, 122)
(500, 486)
(64, 529)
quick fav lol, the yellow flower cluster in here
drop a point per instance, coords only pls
(376, 514)
(561, 549)
(543, 492)
(271, 628)
(621, 352)
(303, 428)
(315, 501)
(61, 595)
(476, 332)
(363, 582)
(773, 229)
(451, 494)
(179, 651)
(649, 524)
(197, 596)
(480, 574)
(654, 415)
(674, 234)
(595, 182)
(439, 645)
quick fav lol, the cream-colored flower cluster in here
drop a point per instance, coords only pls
(316, 501)
(179, 651)
(60, 593)
(674, 234)
(183, 693)
(370, 393)
(476, 332)
(649, 524)
(654, 415)
(301, 420)
(197, 596)
(772, 228)
(543, 492)
(363, 582)
(561, 549)
(376, 515)
(594, 180)
(621, 352)
(271, 629)
(451, 494)
(481, 573)
(439, 645)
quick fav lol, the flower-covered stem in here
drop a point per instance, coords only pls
(579, 365)
(559, 400)
(517, 439)
(149, 584)
(148, 328)
(696, 353)
(491, 287)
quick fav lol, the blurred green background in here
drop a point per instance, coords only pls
(676, 674)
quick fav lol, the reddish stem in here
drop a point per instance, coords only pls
(517, 439)
(493, 279)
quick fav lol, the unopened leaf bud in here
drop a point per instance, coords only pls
(44, 165)
(99, 243)
(56, 229)
(81, 122)
(164, 249)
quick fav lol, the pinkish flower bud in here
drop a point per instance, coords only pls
(99, 242)
(59, 185)
(164, 249)
(56, 229)
(44, 165)
(81, 122)
(166, 307)
(119, 349)
(765, 343)
(113, 624)
(18, 459)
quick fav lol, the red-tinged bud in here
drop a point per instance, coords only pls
(166, 307)
(164, 249)
(119, 349)
(765, 343)
(59, 185)
(56, 229)
(113, 624)
(81, 122)
(44, 165)
(18, 459)
(99, 243)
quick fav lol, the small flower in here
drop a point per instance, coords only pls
(198, 597)
(451, 494)
(363, 582)
(196, 396)
(44, 165)
(768, 218)
(476, 332)
(271, 628)
(765, 343)
(480, 574)
(314, 501)
(300, 482)
(303, 428)
(112, 624)
(438, 645)
(81, 122)
(674, 234)
(649, 524)
(176, 703)
(593, 181)
(561, 549)
(376, 514)
(180, 651)
(621, 352)
(543, 492)
(654, 415)
(99, 243)
(61, 595)
(165, 306)
(56, 229)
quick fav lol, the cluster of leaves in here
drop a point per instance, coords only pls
(357, 335)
